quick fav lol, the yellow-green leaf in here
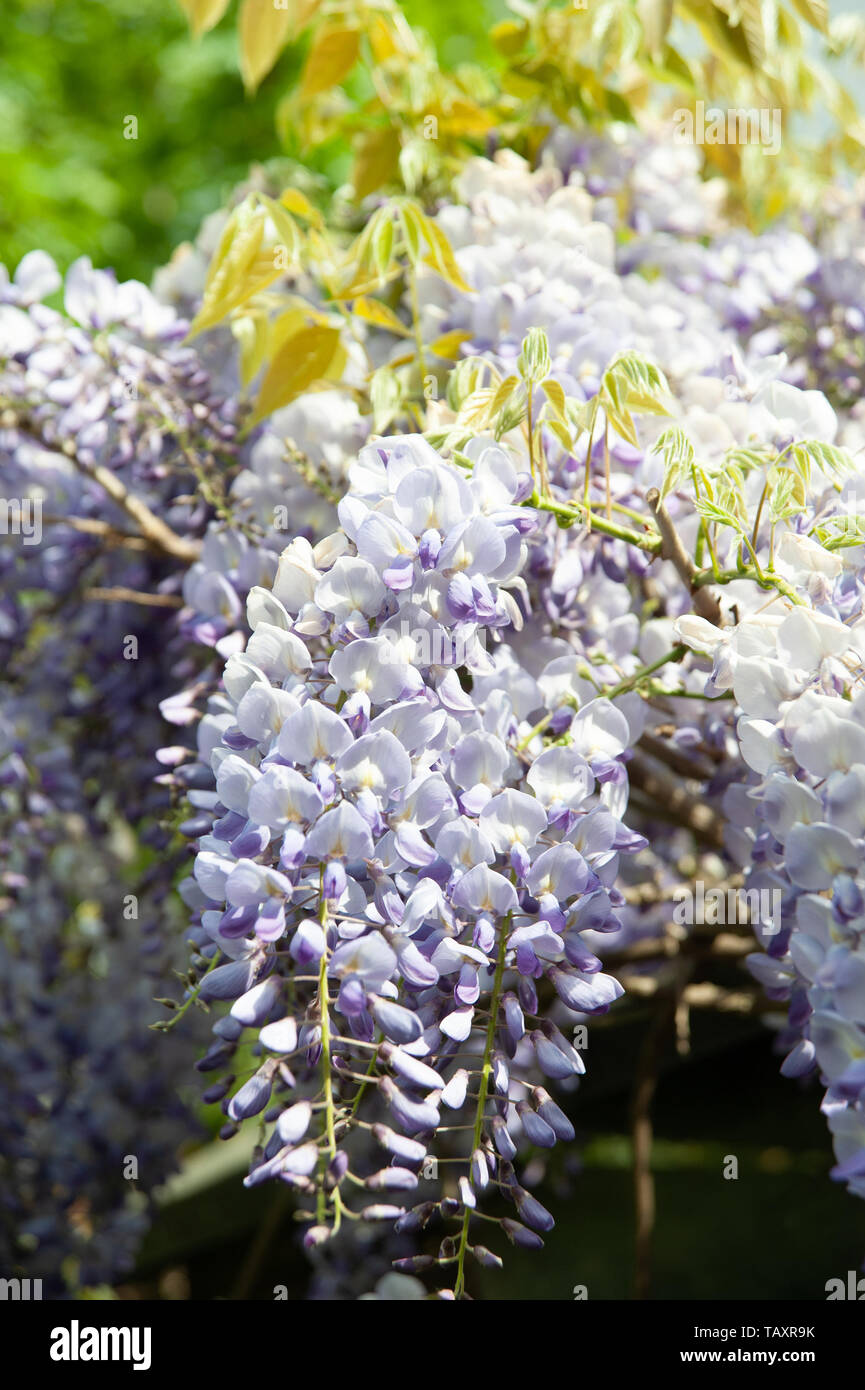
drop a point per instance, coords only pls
(503, 394)
(385, 393)
(303, 359)
(382, 246)
(656, 17)
(251, 334)
(241, 268)
(373, 311)
(555, 394)
(755, 29)
(562, 433)
(509, 36)
(263, 31)
(203, 14)
(383, 39)
(816, 12)
(299, 204)
(286, 227)
(442, 256)
(334, 53)
(286, 325)
(448, 345)
(412, 223)
(376, 160)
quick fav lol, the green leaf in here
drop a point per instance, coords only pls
(382, 246)
(533, 363)
(376, 160)
(833, 461)
(386, 395)
(677, 452)
(711, 511)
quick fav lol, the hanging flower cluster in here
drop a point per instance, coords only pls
(802, 732)
(432, 669)
(106, 424)
(398, 867)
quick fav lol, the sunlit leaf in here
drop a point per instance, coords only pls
(555, 394)
(448, 345)
(203, 14)
(832, 460)
(304, 359)
(442, 257)
(720, 515)
(386, 396)
(334, 52)
(243, 266)
(299, 204)
(263, 31)
(373, 311)
(656, 17)
(509, 36)
(816, 12)
(376, 160)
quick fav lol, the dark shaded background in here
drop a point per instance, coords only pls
(779, 1231)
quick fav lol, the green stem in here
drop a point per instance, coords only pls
(538, 729)
(752, 552)
(706, 528)
(483, 1091)
(176, 1017)
(575, 512)
(608, 490)
(363, 1086)
(415, 315)
(625, 511)
(327, 1080)
(588, 477)
(530, 427)
(675, 654)
(761, 577)
(763, 495)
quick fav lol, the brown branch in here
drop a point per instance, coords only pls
(119, 594)
(148, 523)
(674, 757)
(645, 1084)
(672, 802)
(90, 526)
(152, 529)
(703, 995)
(706, 601)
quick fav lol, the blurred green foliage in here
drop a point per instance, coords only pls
(74, 70)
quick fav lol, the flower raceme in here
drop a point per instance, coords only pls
(397, 880)
(801, 826)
